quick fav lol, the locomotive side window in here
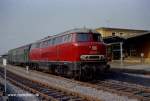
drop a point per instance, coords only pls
(50, 42)
(54, 41)
(57, 40)
(35, 45)
(64, 38)
(67, 38)
(83, 37)
(44, 44)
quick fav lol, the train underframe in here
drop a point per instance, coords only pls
(89, 70)
(76, 70)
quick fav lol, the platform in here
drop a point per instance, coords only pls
(136, 67)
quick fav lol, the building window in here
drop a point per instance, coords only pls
(113, 34)
(121, 34)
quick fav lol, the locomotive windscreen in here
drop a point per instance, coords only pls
(83, 37)
(97, 37)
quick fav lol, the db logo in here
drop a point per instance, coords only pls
(94, 47)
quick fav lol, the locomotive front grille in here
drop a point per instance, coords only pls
(92, 57)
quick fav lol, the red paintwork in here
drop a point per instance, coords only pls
(70, 51)
(35, 54)
(85, 48)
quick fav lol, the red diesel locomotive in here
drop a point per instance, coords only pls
(78, 53)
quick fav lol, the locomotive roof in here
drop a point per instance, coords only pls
(82, 30)
(76, 30)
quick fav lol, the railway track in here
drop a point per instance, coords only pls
(141, 93)
(44, 91)
(131, 90)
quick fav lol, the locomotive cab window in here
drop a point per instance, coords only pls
(96, 37)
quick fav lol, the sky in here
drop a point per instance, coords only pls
(25, 21)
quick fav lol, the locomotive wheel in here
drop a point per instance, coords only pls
(107, 69)
(36, 67)
(56, 70)
(61, 70)
(32, 66)
(86, 73)
(65, 71)
(52, 69)
(76, 75)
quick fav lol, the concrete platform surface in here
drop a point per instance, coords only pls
(129, 65)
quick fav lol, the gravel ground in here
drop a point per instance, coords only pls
(71, 86)
(17, 94)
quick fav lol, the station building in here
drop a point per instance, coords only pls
(135, 43)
